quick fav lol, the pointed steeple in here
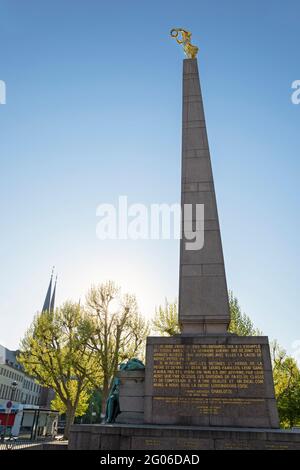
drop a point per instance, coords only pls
(46, 306)
(52, 303)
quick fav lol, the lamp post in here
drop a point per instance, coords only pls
(13, 389)
(92, 412)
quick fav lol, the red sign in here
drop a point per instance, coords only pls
(8, 419)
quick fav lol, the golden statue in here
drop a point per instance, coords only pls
(189, 50)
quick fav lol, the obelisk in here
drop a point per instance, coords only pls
(205, 376)
(203, 297)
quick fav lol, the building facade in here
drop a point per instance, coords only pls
(25, 406)
(25, 390)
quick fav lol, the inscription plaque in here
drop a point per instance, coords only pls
(199, 369)
(209, 381)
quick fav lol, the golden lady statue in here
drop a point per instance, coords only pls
(189, 50)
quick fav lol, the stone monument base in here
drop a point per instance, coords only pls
(152, 437)
(131, 396)
(211, 380)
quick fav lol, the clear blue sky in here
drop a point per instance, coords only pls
(94, 111)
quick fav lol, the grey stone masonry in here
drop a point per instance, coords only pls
(153, 437)
(131, 396)
(203, 298)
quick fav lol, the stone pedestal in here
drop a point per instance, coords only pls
(159, 437)
(131, 396)
(210, 381)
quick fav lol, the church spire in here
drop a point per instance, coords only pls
(46, 306)
(52, 303)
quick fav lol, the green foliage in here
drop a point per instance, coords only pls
(55, 352)
(118, 331)
(240, 323)
(83, 402)
(76, 350)
(165, 321)
(286, 375)
(94, 405)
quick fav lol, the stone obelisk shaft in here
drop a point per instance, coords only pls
(203, 297)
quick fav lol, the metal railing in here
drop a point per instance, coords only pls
(13, 443)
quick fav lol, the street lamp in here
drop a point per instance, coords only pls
(13, 389)
(92, 412)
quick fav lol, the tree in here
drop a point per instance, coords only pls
(118, 330)
(83, 402)
(240, 323)
(287, 386)
(165, 321)
(55, 352)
